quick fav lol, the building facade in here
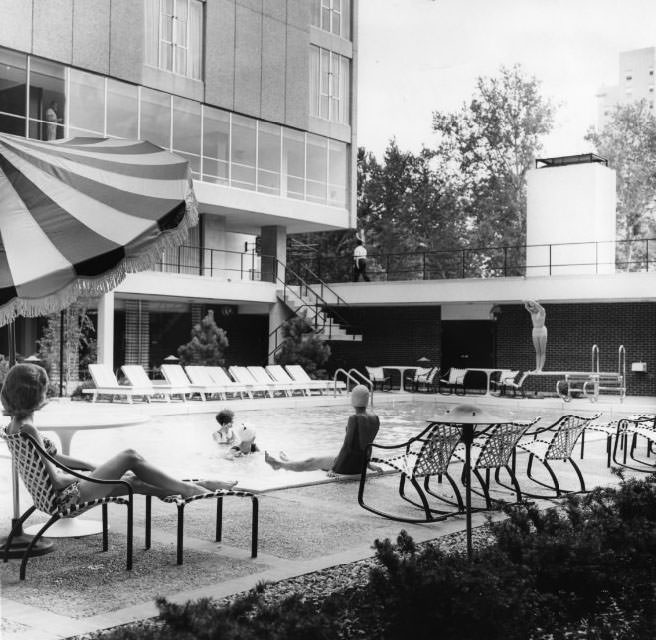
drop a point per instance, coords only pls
(258, 96)
(635, 82)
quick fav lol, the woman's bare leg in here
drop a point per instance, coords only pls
(323, 463)
(148, 479)
(540, 351)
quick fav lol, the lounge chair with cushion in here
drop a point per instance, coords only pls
(419, 460)
(106, 384)
(175, 376)
(426, 379)
(221, 377)
(29, 456)
(138, 378)
(278, 373)
(453, 381)
(515, 384)
(378, 378)
(245, 377)
(200, 376)
(260, 374)
(500, 379)
(298, 373)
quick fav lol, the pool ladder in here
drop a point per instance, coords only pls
(356, 377)
(613, 381)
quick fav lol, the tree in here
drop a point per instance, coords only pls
(207, 345)
(301, 345)
(485, 149)
(628, 142)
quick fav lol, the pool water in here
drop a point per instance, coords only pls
(183, 445)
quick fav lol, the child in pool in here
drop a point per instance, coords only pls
(24, 392)
(245, 437)
(225, 433)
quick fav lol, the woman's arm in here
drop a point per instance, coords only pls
(75, 463)
(59, 478)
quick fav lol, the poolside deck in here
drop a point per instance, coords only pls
(77, 589)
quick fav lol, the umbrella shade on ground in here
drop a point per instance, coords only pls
(76, 215)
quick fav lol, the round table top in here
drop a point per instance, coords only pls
(54, 421)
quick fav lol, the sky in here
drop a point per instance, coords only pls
(421, 56)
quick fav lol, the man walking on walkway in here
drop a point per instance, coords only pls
(360, 261)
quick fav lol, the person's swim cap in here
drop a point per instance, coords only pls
(246, 433)
(22, 391)
(360, 396)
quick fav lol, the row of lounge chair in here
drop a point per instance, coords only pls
(207, 382)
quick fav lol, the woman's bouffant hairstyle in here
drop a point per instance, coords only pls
(225, 416)
(23, 390)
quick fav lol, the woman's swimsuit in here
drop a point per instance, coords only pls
(360, 432)
(69, 495)
(539, 332)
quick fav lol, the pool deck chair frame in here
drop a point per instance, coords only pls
(221, 377)
(200, 376)
(106, 384)
(245, 377)
(263, 377)
(298, 373)
(29, 456)
(278, 373)
(138, 377)
(176, 377)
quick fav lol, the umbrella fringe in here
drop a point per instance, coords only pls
(94, 287)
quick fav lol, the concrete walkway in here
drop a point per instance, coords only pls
(78, 589)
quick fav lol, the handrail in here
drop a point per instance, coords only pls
(621, 361)
(350, 378)
(595, 358)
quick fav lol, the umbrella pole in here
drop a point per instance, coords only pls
(21, 540)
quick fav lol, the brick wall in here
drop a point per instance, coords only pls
(390, 335)
(573, 329)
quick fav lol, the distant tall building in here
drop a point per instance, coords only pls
(635, 83)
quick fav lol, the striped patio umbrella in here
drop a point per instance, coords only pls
(76, 215)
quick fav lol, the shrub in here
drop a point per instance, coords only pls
(301, 345)
(207, 345)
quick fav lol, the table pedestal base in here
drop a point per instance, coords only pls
(69, 528)
(20, 542)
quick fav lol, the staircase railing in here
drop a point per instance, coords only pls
(319, 302)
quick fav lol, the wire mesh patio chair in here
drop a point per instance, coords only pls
(424, 456)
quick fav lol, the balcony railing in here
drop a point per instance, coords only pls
(472, 262)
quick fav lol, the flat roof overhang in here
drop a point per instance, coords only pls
(248, 211)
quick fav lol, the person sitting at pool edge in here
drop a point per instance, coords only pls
(361, 430)
(24, 392)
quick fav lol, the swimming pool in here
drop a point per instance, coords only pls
(183, 445)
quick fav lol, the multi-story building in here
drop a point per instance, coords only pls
(635, 83)
(259, 96)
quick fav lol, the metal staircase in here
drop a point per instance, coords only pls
(318, 304)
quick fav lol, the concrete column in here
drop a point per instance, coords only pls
(105, 337)
(214, 236)
(274, 253)
(277, 315)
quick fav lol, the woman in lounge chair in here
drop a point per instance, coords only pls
(361, 430)
(24, 392)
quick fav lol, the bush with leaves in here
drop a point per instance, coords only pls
(207, 345)
(584, 569)
(301, 345)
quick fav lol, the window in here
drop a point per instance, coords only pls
(122, 109)
(47, 100)
(333, 16)
(13, 92)
(155, 117)
(216, 145)
(330, 77)
(174, 36)
(186, 132)
(268, 158)
(86, 104)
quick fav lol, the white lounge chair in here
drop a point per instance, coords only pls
(263, 377)
(200, 375)
(138, 378)
(244, 376)
(220, 377)
(278, 373)
(298, 373)
(175, 375)
(107, 384)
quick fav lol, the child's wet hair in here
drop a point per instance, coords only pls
(24, 389)
(225, 416)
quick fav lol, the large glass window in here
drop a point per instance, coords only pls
(86, 104)
(293, 168)
(268, 158)
(330, 77)
(156, 117)
(186, 132)
(242, 152)
(216, 145)
(316, 167)
(13, 92)
(47, 102)
(174, 36)
(122, 109)
(333, 16)
(337, 173)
